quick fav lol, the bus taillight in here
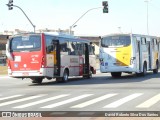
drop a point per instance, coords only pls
(43, 62)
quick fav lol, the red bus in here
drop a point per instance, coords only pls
(45, 55)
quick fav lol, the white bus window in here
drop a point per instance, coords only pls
(143, 41)
(49, 44)
(115, 41)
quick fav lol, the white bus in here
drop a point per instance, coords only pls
(46, 55)
(130, 53)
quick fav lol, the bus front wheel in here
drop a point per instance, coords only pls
(144, 69)
(116, 74)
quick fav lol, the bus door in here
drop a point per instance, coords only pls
(149, 53)
(138, 56)
(56, 53)
(86, 64)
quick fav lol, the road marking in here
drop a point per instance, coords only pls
(5, 77)
(10, 97)
(149, 102)
(67, 101)
(41, 101)
(20, 100)
(90, 102)
(123, 100)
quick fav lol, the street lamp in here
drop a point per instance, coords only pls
(72, 26)
(10, 6)
(147, 1)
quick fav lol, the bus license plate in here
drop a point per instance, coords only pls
(25, 74)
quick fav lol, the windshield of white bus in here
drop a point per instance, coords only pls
(117, 41)
(25, 43)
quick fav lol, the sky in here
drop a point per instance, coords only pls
(124, 16)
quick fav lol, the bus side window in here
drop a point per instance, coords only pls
(91, 49)
(63, 47)
(49, 44)
(71, 48)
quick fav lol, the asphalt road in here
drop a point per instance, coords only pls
(101, 93)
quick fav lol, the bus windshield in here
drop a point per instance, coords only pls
(115, 41)
(25, 43)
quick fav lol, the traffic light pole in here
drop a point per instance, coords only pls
(70, 28)
(26, 16)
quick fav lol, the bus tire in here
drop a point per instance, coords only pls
(37, 80)
(138, 74)
(155, 71)
(88, 76)
(144, 69)
(65, 76)
(116, 74)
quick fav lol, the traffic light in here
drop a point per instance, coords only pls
(105, 6)
(10, 4)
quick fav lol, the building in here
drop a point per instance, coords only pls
(3, 41)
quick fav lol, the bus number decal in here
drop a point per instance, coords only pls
(73, 60)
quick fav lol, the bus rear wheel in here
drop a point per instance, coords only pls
(116, 74)
(88, 76)
(64, 78)
(155, 71)
(37, 80)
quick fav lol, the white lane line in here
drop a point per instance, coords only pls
(41, 101)
(10, 97)
(5, 77)
(20, 100)
(90, 102)
(67, 101)
(123, 100)
(149, 102)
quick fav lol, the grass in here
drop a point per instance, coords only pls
(3, 70)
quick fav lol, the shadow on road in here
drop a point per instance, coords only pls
(101, 79)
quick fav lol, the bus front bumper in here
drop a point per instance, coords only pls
(105, 69)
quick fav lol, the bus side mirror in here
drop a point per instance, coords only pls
(8, 52)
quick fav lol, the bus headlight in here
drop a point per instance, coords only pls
(101, 61)
(132, 60)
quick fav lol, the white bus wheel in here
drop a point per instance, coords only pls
(155, 71)
(144, 69)
(116, 74)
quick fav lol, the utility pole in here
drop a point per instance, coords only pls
(147, 16)
(105, 10)
(70, 28)
(10, 7)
